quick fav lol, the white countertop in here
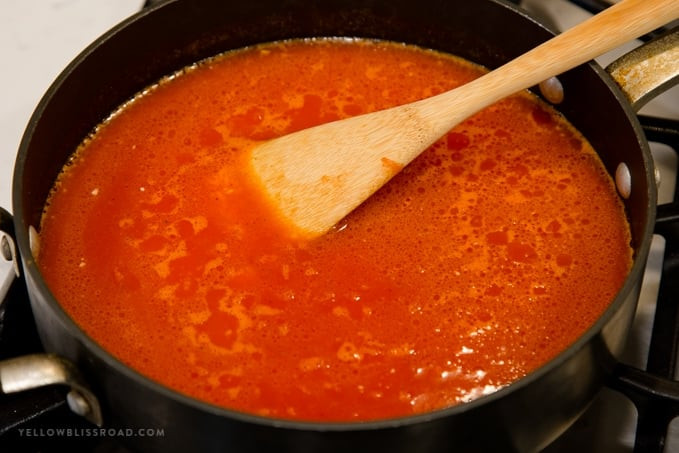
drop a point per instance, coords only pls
(38, 38)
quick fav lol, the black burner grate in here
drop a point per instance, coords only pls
(655, 393)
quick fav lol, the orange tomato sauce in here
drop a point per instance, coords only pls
(478, 263)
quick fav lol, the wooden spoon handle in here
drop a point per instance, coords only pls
(611, 28)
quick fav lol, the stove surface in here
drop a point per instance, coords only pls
(38, 38)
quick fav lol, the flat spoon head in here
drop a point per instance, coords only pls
(317, 176)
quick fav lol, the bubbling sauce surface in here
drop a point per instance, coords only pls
(482, 260)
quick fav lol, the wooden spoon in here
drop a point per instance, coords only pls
(316, 176)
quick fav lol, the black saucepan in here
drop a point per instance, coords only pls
(524, 416)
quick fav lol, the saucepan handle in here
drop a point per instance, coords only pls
(648, 70)
(33, 371)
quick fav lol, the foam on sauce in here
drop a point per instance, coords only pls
(482, 260)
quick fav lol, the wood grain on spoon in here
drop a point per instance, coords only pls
(316, 176)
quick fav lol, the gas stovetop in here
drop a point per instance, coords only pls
(41, 39)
